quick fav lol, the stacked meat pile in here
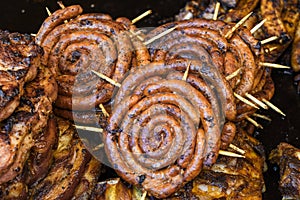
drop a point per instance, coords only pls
(27, 93)
(177, 102)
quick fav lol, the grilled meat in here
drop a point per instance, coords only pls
(295, 59)
(231, 178)
(15, 189)
(18, 131)
(88, 180)
(288, 159)
(87, 42)
(19, 59)
(41, 154)
(69, 163)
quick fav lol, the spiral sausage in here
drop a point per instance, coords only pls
(242, 51)
(87, 42)
(162, 130)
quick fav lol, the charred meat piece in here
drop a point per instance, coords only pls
(41, 154)
(295, 58)
(29, 119)
(288, 159)
(69, 163)
(234, 178)
(19, 59)
(15, 189)
(88, 180)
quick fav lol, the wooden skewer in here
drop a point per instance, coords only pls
(216, 12)
(186, 73)
(262, 117)
(241, 151)
(230, 154)
(144, 195)
(242, 21)
(136, 34)
(160, 35)
(48, 11)
(138, 18)
(188, 16)
(270, 39)
(234, 74)
(61, 5)
(252, 121)
(273, 65)
(245, 100)
(269, 50)
(257, 101)
(272, 48)
(99, 146)
(273, 106)
(257, 26)
(88, 128)
(105, 113)
(111, 81)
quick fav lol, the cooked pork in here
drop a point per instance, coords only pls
(288, 159)
(18, 131)
(19, 59)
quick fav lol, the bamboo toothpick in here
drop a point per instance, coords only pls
(160, 35)
(270, 39)
(234, 74)
(136, 34)
(262, 117)
(138, 18)
(230, 154)
(241, 151)
(186, 73)
(274, 65)
(268, 50)
(216, 12)
(61, 5)
(257, 101)
(111, 81)
(144, 195)
(257, 26)
(48, 11)
(188, 16)
(242, 21)
(252, 121)
(99, 146)
(245, 100)
(88, 128)
(105, 113)
(273, 106)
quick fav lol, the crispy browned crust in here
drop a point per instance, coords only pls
(19, 130)
(19, 58)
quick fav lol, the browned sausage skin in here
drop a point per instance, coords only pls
(88, 42)
(154, 110)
